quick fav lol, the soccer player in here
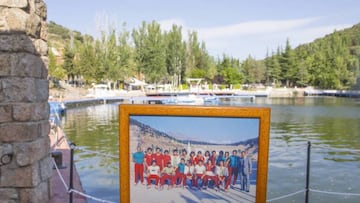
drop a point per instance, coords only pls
(175, 158)
(199, 174)
(189, 173)
(222, 173)
(148, 157)
(159, 158)
(227, 158)
(180, 173)
(210, 174)
(233, 167)
(192, 157)
(220, 157)
(153, 173)
(199, 157)
(207, 156)
(213, 157)
(138, 159)
(166, 157)
(167, 173)
(184, 155)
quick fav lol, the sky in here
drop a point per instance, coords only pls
(237, 28)
(214, 130)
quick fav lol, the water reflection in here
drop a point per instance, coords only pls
(331, 124)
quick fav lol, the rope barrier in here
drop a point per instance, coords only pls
(285, 196)
(94, 152)
(61, 178)
(336, 149)
(75, 191)
(313, 190)
(89, 196)
(335, 193)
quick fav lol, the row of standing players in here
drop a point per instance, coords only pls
(222, 169)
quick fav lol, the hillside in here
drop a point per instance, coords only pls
(60, 36)
(330, 62)
(351, 36)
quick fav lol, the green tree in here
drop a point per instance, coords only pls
(231, 75)
(253, 70)
(126, 56)
(150, 51)
(229, 70)
(197, 58)
(55, 70)
(68, 64)
(289, 66)
(87, 61)
(109, 61)
(272, 70)
(175, 53)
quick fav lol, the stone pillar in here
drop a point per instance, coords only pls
(25, 167)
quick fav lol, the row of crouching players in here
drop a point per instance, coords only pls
(187, 173)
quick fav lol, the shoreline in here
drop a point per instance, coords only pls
(72, 94)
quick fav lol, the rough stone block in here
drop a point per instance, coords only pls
(45, 128)
(20, 177)
(5, 113)
(24, 90)
(41, 47)
(23, 65)
(12, 3)
(45, 72)
(30, 111)
(19, 132)
(17, 90)
(28, 65)
(16, 19)
(16, 43)
(43, 32)
(33, 25)
(9, 195)
(42, 90)
(30, 152)
(41, 9)
(5, 64)
(39, 194)
(46, 168)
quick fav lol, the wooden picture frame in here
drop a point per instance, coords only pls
(259, 116)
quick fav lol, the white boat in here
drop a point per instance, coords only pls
(190, 99)
(100, 91)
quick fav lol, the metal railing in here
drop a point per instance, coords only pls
(307, 184)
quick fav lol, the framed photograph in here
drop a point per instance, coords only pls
(193, 153)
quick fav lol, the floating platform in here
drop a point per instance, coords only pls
(92, 101)
(209, 93)
(333, 93)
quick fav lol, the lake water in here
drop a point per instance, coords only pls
(331, 124)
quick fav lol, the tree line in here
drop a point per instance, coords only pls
(158, 56)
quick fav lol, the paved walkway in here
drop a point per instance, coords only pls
(58, 191)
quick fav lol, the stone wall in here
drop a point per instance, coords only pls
(25, 167)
